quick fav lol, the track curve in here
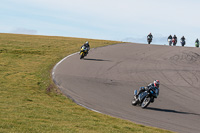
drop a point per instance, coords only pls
(105, 80)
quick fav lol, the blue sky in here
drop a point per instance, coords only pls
(121, 20)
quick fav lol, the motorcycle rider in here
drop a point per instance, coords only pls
(183, 40)
(87, 46)
(150, 37)
(154, 86)
(170, 37)
(197, 42)
(175, 39)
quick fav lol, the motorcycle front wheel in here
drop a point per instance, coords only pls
(81, 55)
(134, 101)
(146, 102)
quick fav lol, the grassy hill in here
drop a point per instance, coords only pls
(30, 102)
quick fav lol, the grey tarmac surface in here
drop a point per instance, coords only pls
(106, 78)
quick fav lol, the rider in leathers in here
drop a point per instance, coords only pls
(150, 36)
(154, 86)
(197, 42)
(86, 44)
(175, 38)
(170, 37)
(183, 38)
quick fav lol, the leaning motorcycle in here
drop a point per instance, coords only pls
(83, 52)
(183, 43)
(170, 42)
(145, 98)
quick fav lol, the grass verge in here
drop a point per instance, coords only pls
(30, 102)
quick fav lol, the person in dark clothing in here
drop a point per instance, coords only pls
(174, 40)
(86, 44)
(170, 37)
(155, 86)
(183, 41)
(197, 43)
(174, 37)
(149, 38)
(87, 47)
(183, 38)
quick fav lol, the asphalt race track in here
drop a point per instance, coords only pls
(106, 78)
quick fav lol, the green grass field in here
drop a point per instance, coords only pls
(30, 102)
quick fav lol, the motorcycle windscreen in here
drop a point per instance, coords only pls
(135, 92)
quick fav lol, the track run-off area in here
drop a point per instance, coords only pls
(105, 80)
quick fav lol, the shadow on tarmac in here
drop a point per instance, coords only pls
(171, 111)
(95, 59)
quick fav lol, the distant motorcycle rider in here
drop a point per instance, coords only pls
(183, 38)
(154, 86)
(174, 37)
(150, 36)
(197, 43)
(170, 37)
(87, 46)
(174, 40)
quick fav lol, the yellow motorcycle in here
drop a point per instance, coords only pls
(83, 52)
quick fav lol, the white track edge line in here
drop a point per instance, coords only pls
(54, 68)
